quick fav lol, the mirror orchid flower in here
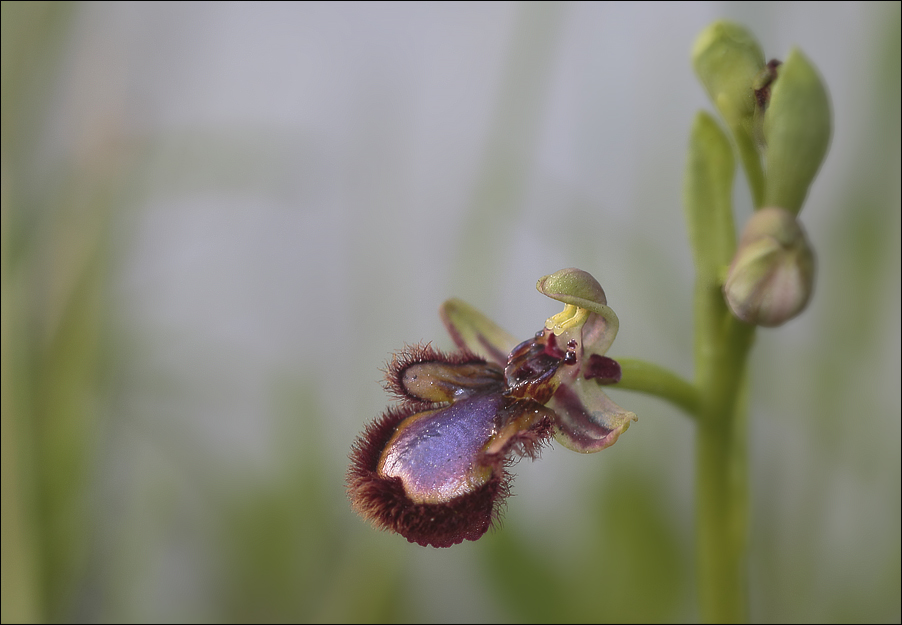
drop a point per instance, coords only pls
(434, 468)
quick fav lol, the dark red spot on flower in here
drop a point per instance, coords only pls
(605, 370)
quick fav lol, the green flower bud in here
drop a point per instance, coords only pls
(772, 275)
(797, 131)
(727, 60)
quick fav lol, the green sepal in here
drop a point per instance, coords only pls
(708, 194)
(797, 129)
(473, 331)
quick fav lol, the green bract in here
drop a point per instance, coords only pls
(708, 197)
(797, 130)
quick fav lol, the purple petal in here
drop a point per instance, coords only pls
(435, 453)
(588, 421)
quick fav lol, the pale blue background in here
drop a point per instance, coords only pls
(302, 185)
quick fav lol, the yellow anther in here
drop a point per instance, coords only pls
(570, 317)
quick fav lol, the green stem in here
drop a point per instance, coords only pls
(751, 163)
(721, 505)
(722, 345)
(717, 402)
(645, 377)
(722, 348)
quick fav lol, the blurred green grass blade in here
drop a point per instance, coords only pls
(632, 568)
(20, 591)
(54, 280)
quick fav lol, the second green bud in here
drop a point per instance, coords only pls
(771, 277)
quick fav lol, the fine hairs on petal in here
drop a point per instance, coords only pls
(483, 374)
(383, 501)
(529, 443)
(412, 355)
(530, 436)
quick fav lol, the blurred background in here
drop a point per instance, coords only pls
(219, 220)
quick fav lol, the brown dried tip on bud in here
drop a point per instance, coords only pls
(764, 82)
(771, 277)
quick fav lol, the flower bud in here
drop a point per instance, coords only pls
(797, 132)
(727, 60)
(772, 275)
